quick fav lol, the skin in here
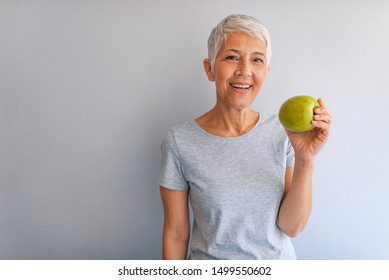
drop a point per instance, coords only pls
(242, 61)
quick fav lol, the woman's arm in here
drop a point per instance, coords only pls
(176, 227)
(296, 204)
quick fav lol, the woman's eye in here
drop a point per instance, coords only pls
(232, 57)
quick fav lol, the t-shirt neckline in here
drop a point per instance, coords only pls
(229, 138)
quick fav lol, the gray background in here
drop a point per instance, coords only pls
(89, 88)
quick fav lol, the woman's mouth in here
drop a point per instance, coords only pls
(241, 86)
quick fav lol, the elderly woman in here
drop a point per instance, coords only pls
(248, 180)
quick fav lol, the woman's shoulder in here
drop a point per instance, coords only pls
(186, 130)
(271, 126)
(270, 119)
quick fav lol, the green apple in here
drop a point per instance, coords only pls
(296, 114)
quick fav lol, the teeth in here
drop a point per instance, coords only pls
(241, 86)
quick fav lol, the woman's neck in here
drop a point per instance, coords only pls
(228, 123)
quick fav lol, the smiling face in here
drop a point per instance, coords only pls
(239, 70)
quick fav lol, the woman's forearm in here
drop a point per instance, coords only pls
(176, 225)
(296, 205)
(174, 247)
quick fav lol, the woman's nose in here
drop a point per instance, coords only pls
(243, 69)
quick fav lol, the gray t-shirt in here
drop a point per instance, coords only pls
(235, 188)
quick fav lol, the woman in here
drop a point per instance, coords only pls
(249, 181)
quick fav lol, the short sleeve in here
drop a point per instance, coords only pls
(289, 155)
(171, 175)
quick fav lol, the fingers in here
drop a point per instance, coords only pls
(322, 117)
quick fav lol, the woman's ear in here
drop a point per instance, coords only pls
(208, 69)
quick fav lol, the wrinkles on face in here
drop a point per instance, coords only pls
(240, 70)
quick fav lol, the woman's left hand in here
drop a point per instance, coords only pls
(308, 144)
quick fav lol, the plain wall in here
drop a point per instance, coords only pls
(88, 90)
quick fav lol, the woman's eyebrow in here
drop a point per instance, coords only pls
(237, 51)
(259, 53)
(232, 50)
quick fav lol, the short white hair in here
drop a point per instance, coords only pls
(237, 23)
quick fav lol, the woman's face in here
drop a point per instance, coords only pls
(239, 71)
